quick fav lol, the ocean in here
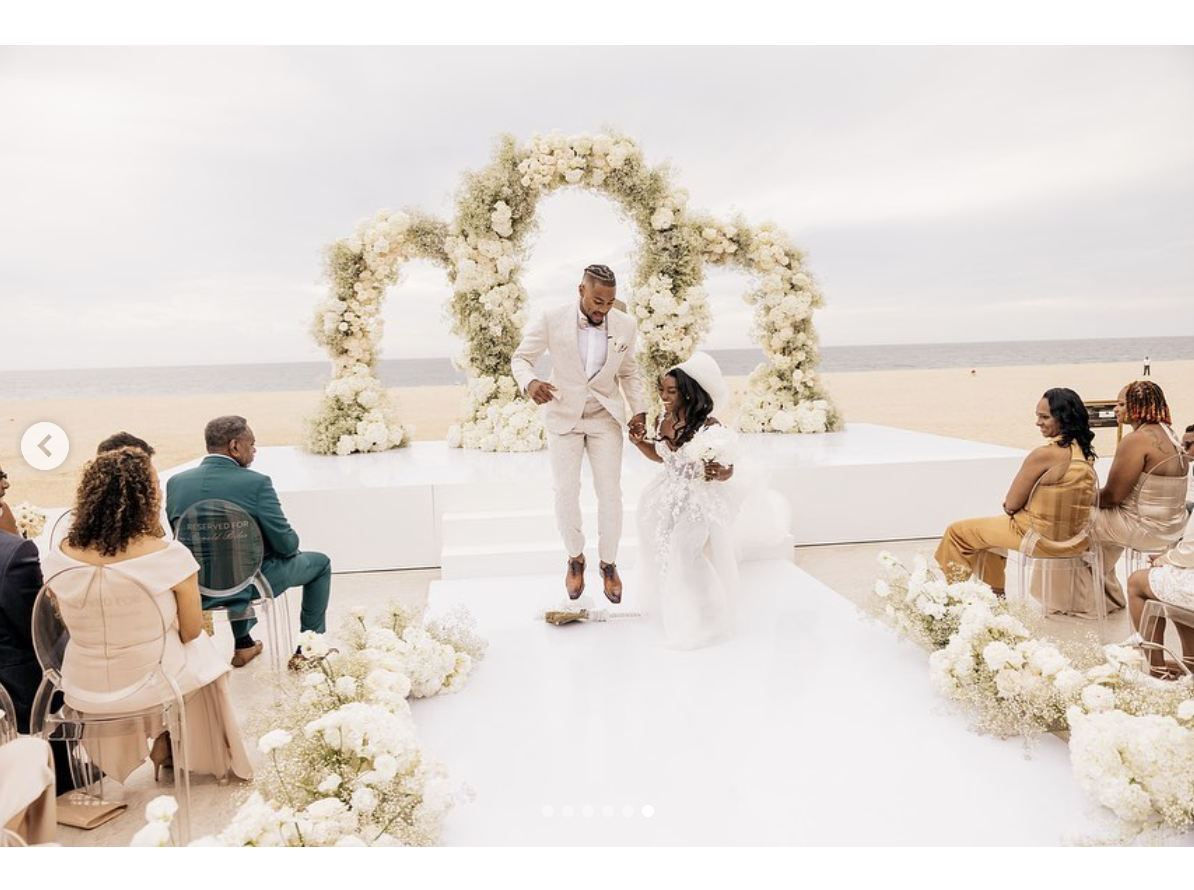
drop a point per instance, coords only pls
(303, 376)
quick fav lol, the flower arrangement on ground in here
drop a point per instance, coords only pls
(1131, 736)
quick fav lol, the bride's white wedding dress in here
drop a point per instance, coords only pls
(686, 544)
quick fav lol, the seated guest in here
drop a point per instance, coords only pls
(20, 580)
(20, 674)
(225, 475)
(1138, 507)
(969, 546)
(1188, 447)
(8, 522)
(124, 440)
(114, 540)
(1170, 580)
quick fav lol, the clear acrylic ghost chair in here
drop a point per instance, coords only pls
(1152, 633)
(226, 542)
(1057, 557)
(61, 528)
(26, 759)
(8, 717)
(120, 619)
(1142, 543)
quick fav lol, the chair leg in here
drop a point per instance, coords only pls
(176, 720)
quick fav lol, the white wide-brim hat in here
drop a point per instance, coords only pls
(704, 370)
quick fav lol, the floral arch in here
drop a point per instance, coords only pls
(482, 250)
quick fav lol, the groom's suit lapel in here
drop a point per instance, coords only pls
(569, 351)
(612, 359)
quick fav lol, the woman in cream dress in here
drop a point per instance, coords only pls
(1170, 580)
(1138, 507)
(113, 547)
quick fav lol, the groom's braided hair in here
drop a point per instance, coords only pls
(601, 274)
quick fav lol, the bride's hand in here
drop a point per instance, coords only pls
(715, 472)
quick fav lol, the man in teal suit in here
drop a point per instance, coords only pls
(225, 474)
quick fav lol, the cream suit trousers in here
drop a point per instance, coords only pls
(600, 436)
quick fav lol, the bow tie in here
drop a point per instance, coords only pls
(583, 323)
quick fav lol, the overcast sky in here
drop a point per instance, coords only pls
(162, 206)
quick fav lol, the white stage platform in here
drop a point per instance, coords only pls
(484, 515)
(811, 726)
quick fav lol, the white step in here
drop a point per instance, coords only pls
(542, 556)
(492, 527)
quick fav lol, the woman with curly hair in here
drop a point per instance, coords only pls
(1059, 471)
(116, 539)
(1143, 504)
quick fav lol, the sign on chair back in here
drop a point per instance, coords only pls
(227, 543)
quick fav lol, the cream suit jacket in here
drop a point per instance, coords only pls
(555, 331)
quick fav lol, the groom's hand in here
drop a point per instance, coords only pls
(541, 392)
(638, 426)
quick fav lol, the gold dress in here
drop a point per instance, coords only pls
(1056, 515)
(1152, 517)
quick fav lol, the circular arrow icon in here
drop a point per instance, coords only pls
(45, 446)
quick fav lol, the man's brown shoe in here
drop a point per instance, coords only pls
(241, 657)
(574, 581)
(613, 584)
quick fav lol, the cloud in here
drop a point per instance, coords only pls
(156, 197)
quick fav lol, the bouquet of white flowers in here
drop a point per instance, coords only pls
(715, 444)
(31, 520)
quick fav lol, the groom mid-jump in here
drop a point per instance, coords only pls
(593, 365)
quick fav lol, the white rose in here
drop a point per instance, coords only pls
(161, 809)
(782, 421)
(154, 834)
(1098, 698)
(364, 800)
(1185, 711)
(271, 741)
(663, 218)
(329, 784)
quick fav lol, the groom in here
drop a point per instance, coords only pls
(593, 366)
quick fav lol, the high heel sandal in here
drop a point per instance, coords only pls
(161, 754)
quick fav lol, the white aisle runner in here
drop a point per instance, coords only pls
(812, 726)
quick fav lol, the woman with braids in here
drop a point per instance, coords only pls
(1143, 504)
(1059, 510)
(686, 514)
(116, 538)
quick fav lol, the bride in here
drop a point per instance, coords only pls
(686, 514)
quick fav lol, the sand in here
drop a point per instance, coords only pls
(994, 405)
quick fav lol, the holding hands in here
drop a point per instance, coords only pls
(715, 472)
(638, 428)
(541, 392)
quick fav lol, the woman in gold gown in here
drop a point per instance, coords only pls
(1061, 474)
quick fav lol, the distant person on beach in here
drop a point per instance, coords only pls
(224, 474)
(1148, 367)
(1059, 473)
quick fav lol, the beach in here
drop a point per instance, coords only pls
(995, 404)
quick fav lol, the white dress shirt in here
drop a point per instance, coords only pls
(593, 342)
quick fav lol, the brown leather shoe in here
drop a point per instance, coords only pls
(574, 581)
(241, 657)
(613, 584)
